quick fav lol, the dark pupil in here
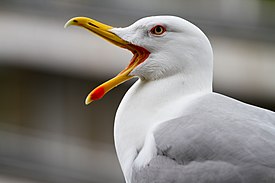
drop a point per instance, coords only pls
(158, 29)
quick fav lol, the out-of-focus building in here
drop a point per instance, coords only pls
(47, 134)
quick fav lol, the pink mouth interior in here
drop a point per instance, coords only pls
(140, 55)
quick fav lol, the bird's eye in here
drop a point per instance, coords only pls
(158, 30)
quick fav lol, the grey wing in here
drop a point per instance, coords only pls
(218, 140)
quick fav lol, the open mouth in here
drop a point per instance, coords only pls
(140, 54)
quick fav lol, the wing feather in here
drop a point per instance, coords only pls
(218, 139)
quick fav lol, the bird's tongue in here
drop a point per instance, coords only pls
(140, 55)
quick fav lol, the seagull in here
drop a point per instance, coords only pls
(170, 126)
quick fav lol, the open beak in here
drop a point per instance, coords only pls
(104, 31)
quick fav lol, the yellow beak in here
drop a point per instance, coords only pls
(102, 30)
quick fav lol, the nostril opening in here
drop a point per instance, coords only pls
(93, 24)
(75, 21)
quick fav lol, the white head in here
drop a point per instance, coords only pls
(175, 46)
(163, 46)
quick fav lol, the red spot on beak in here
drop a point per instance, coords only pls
(98, 93)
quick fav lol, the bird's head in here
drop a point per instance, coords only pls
(162, 46)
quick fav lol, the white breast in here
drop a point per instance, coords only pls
(146, 105)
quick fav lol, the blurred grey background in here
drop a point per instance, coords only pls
(48, 135)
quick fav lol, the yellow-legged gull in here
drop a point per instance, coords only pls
(170, 125)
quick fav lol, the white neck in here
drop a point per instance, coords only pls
(148, 103)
